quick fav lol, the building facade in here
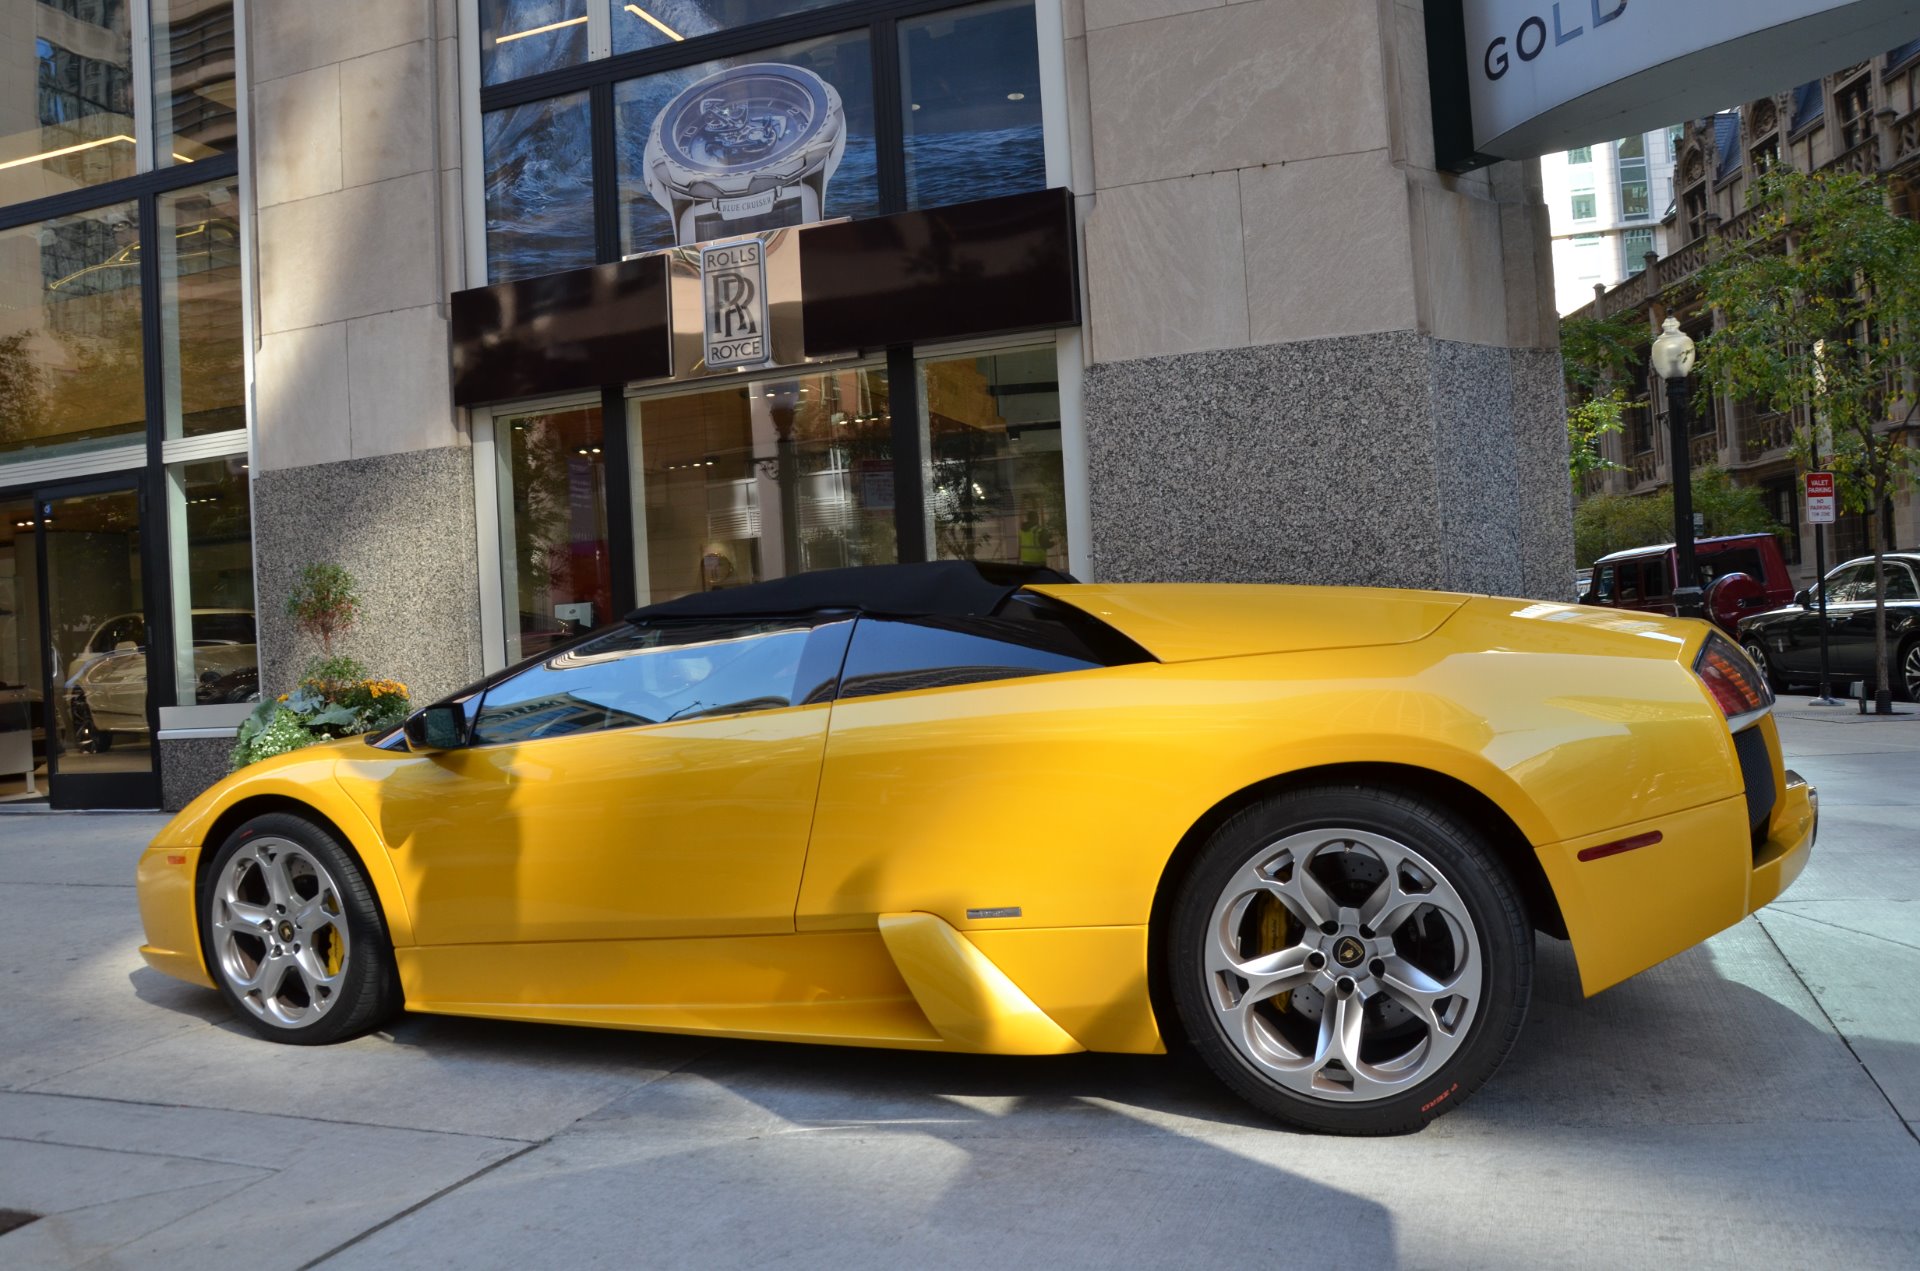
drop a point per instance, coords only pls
(1864, 118)
(1605, 203)
(529, 311)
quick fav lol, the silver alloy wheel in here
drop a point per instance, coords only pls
(1346, 1002)
(1910, 671)
(1757, 654)
(280, 932)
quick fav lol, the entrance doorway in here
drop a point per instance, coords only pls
(76, 660)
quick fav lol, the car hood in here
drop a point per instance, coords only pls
(1188, 622)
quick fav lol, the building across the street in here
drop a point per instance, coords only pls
(1863, 118)
(1605, 203)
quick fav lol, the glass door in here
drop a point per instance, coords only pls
(23, 735)
(98, 717)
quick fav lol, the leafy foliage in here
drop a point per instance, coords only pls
(1588, 424)
(1595, 354)
(316, 711)
(1614, 522)
(1822, 308)
(324, 605)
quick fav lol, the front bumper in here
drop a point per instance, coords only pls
(165, 885)
(1631, 910)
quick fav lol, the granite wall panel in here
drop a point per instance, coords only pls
(403, 525)
(188, 766)
(1384, 460)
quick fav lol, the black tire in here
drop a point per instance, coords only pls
(1905, 671)
(1756, 652)
(1471, 880)
(365, 986)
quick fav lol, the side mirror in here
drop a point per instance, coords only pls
(1803, 598)
(440, 727)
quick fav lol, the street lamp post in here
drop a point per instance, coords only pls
(1673, 357)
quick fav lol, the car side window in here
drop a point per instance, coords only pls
(1603, 585)
(1654, 574)
(637, 674)
(1850, 585)
(1900, 585)
(1629, 582)
(1031, 636)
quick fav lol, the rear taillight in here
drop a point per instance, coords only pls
(1739, 690)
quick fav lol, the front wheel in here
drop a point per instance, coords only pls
(1757, 654)
(1349, 959)
(1907, 669)
(294, 936)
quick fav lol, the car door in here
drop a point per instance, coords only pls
(1854, 632)
(653, 780)
(1796, 642)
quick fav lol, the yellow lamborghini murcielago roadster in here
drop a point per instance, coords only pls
(1308, 832)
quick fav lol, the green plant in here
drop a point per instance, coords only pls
(317, 711)
(324, 604)
(1613, 522)
(1821, 308)
(1588, 423)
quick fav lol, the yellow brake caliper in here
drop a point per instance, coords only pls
(332, 906)
(1275, 935)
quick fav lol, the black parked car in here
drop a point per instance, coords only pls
(1786, 642)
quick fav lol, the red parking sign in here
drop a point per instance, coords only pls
(1821, 502)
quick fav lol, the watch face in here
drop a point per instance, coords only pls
(739, 145)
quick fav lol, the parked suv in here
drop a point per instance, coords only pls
(1786, 642)
(1643, 578)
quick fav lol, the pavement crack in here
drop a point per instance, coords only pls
(1794, 913)
(1846, 1041)
(281, 1116)
(418, 1205)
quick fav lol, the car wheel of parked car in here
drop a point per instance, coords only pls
(293, 934)
(1757, 654)
(1907, 669)
(1350, 959)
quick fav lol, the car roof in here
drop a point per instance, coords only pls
(1656, 549)
(948, 588)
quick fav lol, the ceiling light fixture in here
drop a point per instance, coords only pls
(73, 149)
(1016, 97)
(657, 24)
(539, 30)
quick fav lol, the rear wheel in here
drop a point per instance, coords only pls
(1349, 959)
(294, 936)
(1906, 669)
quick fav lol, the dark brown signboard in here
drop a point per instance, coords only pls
(606, 324)
(972, 269)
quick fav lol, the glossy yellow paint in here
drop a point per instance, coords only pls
(969, 1000)
(808, 873)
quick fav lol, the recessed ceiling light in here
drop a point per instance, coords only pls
(1016, 97)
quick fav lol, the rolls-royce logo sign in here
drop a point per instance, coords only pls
(733, 281)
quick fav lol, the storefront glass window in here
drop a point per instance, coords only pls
(658, 22)
(66, 96)
(743, 144)
(994, 480)
(525, 37)
(201, 341)
(70, 346)
(539, 188)
(747, 481)
(217, 659)
(553, 526)
(193, 81)
(970, 97)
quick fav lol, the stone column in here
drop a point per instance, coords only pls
(1311, 356)
(361, 459)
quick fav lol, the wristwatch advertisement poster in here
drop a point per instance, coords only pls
(747, 149)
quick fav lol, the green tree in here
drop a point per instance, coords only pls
(1596, 354)
(1822, 308)
(324, 604)
(1614, 522)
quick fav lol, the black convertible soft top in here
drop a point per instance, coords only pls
(947, 588)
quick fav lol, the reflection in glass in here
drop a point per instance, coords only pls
(96, 627)
(66, 96)
(633, 675)
(970, 100)
(754, 150)
(995, 486)
(70, 349)
(200, 333)
(539, 188)
(761, 479)
(646, 24)
(216, 661)
(525, 37)
(193, 79)
(23, 744)
(553, 527)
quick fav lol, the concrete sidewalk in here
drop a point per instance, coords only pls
(1750, 1103)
